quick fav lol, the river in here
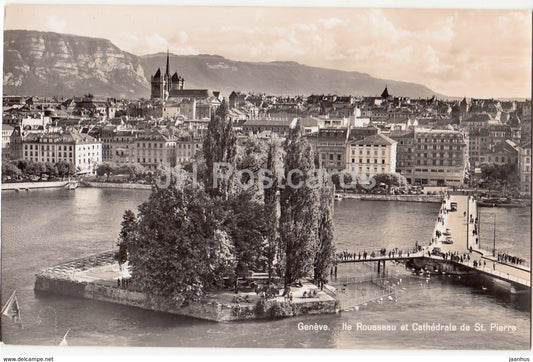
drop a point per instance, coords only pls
(42, 228)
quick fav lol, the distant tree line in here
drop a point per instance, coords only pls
(25, 170)
(500, 175)
(133, 171)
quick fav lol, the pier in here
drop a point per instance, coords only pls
(453, 249)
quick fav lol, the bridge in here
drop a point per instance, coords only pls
(454, 247)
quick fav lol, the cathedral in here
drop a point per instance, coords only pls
(163, 86)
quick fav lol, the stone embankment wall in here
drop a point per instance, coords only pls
(407, 198)
(117, 185)
(33, 185)
(60, 280)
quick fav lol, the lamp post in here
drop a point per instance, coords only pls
(494, 237)
(467, 223)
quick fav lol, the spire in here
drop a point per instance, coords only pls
(385, 93)
(168, 62)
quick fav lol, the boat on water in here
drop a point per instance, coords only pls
(72, 185)
(338, 197)
(503, 202)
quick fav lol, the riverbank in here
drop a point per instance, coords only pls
(116, 185)
(32, 185)
(406, 198)
(95, 277)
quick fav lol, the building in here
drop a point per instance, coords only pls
(162, 85)
(280, 126)
(165, 87)
(154, 149)
(83, 151)
(504, 153)
(440, 157)
(359, 133)
(7, 132)
(371, 155)
(187, 146)
(524, 167)
(330, 144)
(404, 153)
(119, 145)
(479, 144)
(15, 144)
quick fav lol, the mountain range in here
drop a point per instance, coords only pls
(53, 64)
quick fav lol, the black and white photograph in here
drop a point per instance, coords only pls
(281, 177)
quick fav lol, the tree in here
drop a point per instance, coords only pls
(65, 169)
(336, 179)
(50, 169)
(390, 179)
(127, 236)
(271, 205)
(326, 245)
(25, 166)
(180, 249)
(245, 223)
(251, 157)
(504, 174)
(220, 145)
(36, 169)
(10, 170)
(134, 170)
(105, 169)
(298, 221)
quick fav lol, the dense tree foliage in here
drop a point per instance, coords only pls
(126, 236)
(271, 208)
(180, 248)
(325, 240)
(187, 240)
(504, 174)
(10, 170)
(299, 209)
(105, 169)
(26, 169)
(245, 224)
(390, 179)
(220, 145)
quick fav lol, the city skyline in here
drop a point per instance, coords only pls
(474, 53)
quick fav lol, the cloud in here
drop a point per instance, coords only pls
(155, 43)
(55, 24)
(330, 23)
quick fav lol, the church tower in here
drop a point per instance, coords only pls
(164, 84)
(385, 94)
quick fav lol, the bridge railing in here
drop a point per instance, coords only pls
(377, 255)
(506, 276)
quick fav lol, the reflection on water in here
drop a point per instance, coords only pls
(46, 227)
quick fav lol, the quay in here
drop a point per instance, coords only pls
(17, 186)
(453, 249)
(98, 277)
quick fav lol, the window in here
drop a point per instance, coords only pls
(383, 161)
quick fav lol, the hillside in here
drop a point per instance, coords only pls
(47, 64)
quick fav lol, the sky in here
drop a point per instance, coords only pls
(473, 53)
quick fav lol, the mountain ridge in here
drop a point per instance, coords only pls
(48, 63)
